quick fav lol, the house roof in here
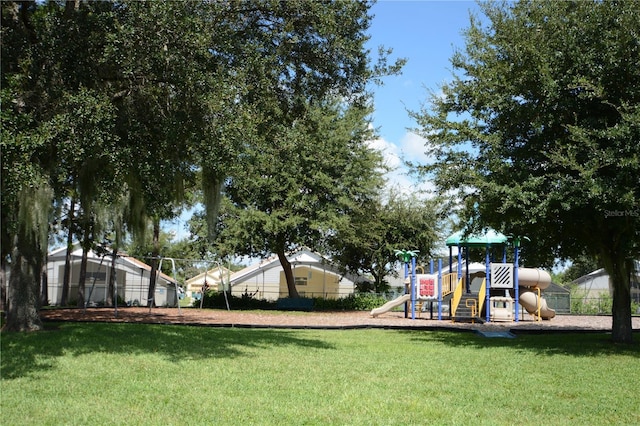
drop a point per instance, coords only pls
(130, 261)
(214, 275)
(602, 272)
(590, 276)
(304, 257)
(555, 288)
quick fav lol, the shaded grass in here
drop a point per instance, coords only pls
(91, 373)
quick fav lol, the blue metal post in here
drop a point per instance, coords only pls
(431, 266)
(459, 263)
(413, 288)
(466, 275)
(488, 271)
(406, 275)
(440, 289)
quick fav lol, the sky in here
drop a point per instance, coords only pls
(426, 33)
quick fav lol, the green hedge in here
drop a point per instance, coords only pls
(216, 300)
(352, 302)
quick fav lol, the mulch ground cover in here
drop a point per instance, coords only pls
(328, 320)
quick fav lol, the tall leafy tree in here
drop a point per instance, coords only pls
(539, 132)
(55, 124)
(300, 187)
(177, 90)
(21, 232)
(301, 58)
(153, 54)
(141, 97)
(380, 228)
(86, 169)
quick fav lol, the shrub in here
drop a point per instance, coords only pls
(216, 300)
(352, 302)
(592, 306)
(120, 300)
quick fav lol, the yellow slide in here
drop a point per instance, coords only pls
(390, 305)
(531, 278)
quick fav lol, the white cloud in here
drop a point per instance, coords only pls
(411, 148)
(390, 152)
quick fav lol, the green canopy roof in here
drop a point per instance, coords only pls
(476, 240)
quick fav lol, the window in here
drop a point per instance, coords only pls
(300, 281)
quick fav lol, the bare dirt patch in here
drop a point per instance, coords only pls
(280, 319)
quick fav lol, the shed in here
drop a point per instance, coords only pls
(558, 298)
(132, 279)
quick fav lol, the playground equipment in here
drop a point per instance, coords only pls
(504, 286)
(175, 282)
(115, 283)
(390, 305)
(426, 290)
(501, 308)
(532, 282)
(224, 288)
(93, 284)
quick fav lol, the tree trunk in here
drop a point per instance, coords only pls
(86, 247)
(379, 272)
(378, 286)
(24, 284)
(67, 261)
(83, 277)
(620, 272)
(154, 263)
(3, 285)
(288, 274)
(619, 269)
(44, 284)
(112, 277)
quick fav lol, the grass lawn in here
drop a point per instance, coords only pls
(101, 374)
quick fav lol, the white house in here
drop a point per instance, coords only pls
(132, 279)
(593, 285)
(213, 278)
(596, 283)
(314, 276)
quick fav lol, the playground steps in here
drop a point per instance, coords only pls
(465, 313)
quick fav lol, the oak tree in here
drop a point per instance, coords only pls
(539, 132)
